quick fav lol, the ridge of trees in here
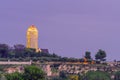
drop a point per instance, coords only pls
(20, 52)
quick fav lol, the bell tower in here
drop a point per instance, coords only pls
(32, 37)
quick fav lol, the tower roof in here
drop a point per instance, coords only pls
(32, 28)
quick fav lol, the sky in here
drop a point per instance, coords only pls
(68, 28)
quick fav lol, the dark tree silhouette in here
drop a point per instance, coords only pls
(87, 55)
(4, 49)
(101, 55)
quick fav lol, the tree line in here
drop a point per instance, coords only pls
(20, 52)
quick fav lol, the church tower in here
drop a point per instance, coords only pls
(32, 37)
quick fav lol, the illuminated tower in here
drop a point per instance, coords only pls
(32, 37)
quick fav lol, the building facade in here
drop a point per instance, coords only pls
(32, 37)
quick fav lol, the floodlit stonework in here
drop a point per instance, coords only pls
(32, 37)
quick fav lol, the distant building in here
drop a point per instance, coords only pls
(32, 37)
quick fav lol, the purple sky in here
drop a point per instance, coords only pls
(66, 27)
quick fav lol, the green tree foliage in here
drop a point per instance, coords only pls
(101, 55)
(29, 52)
(14, 76)
(11, 53)
(63, 75)
(20, 53)
(117, 75)
(96, 75)
(87, 55)
(4, 49)
(19, 50)
(33, 73)
(30, 73)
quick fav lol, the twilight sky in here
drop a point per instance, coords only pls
(66, 27)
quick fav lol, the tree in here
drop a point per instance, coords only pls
(30, 73)
(81, 60)
(101, 55)
(14, 76)
(54, 55)
(96, 75)
(87, 55)
(33, 73)
(117, 75)
(63, 75)
(19, 50)
(64, 59)
(11, 53)
(4, 48)
(29, 52)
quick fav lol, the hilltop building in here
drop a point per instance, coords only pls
(32, 39)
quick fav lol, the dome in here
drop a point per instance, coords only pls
(32, 28)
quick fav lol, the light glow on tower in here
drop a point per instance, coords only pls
(32, 37)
